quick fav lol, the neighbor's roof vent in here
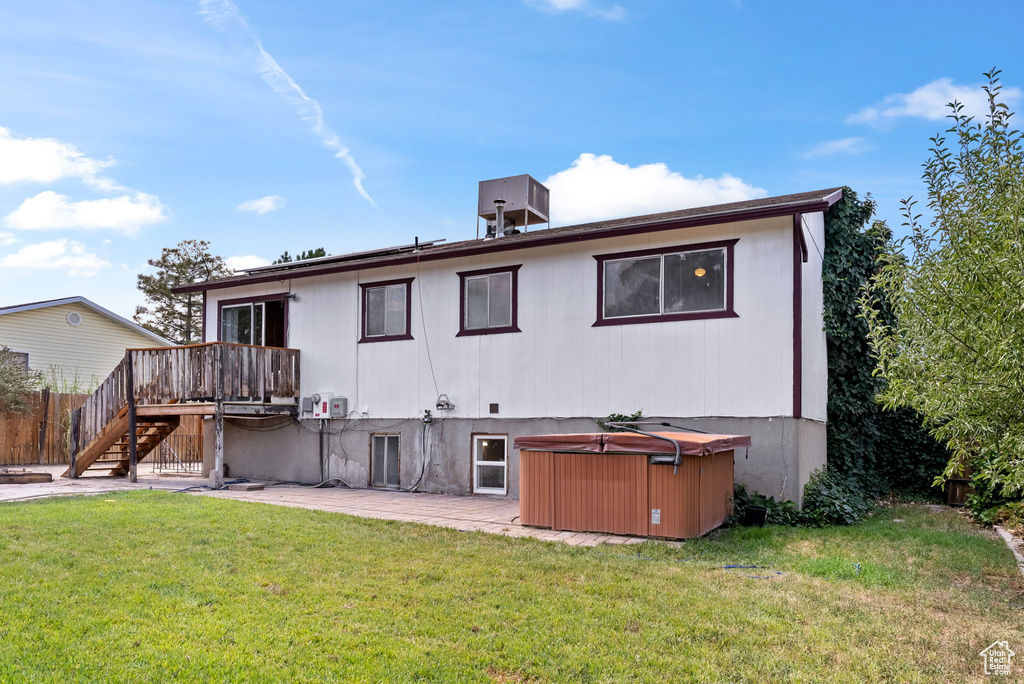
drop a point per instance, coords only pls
(521, 199)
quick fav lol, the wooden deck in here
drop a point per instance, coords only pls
(143, 399)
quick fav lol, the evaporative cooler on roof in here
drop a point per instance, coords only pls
(524, 199)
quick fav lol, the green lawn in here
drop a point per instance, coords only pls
(172, 587)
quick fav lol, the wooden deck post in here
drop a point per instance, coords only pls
(133, 438)
(217, 475)
(76, 427)
(43, 432)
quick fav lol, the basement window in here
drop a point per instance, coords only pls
(384, 461)
(386, 310)
(667, 284)
(489, 301)
(490, 464)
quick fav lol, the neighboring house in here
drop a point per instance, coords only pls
(73, 342)
(710, 318)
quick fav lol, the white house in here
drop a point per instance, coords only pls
(709, 318)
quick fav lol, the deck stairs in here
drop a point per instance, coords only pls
(143, 400)
(111, 449)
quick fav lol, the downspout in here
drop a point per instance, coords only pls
(800, 256)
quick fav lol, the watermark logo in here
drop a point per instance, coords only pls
(997, 658)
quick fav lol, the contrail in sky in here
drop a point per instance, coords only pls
(223, 14)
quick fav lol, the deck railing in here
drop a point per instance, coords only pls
(200, 372)
(214, 370)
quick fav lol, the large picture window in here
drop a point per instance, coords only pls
(669, 284)
(489, 301)
(386, 310)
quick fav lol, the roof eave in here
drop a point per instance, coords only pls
(135, 327)
(505, 244)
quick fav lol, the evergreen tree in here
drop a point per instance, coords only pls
(178, 317)
(286, 258)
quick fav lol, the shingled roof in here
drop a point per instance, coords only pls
(782, 205)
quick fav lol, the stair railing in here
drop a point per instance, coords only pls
(212, 371)
(99, 409)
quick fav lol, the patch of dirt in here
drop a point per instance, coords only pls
(499, 675)
(807, 547)
(275, 589)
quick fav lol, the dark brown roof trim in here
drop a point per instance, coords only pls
(742, 211)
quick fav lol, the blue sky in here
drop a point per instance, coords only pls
(129, 126)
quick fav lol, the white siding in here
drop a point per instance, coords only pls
(559, 365)
(815, 354)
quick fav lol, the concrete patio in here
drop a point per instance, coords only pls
(494, 515)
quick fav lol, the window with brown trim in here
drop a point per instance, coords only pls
(261, 321)
(386, 310)
(489, 301)
(685, 282)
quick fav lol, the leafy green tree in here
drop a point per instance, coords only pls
(954, 349)
(178, 317)
(871, 450)
(17, 383)
(286, 258)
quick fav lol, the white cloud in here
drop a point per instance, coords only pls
(844, 146)
(613, 13)
(7, 239)
(65, 254)
(224, 15)
(46, 160)
(263, 204)
(596, 188)
(50, 211)
(244, 262)
(930, 102)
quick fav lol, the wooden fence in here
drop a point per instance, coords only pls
(41, 435)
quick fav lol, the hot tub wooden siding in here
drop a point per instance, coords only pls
(616, 493)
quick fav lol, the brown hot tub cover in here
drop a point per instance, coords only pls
(690, 443)
(590, 441)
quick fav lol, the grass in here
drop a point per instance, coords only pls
(163, 587)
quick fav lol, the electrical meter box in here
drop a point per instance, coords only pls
(322, 404)
(339, 407)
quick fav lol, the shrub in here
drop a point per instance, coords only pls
(988, 504)
(619, 418)
(834, 499)
(830, 498)
(781, 512)
(16, 383)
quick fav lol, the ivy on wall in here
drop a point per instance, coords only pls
(878, 449)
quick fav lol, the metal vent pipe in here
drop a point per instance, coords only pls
(499, 208)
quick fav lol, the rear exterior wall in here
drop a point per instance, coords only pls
(736, 372)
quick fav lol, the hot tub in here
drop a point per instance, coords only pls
(627, 483)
